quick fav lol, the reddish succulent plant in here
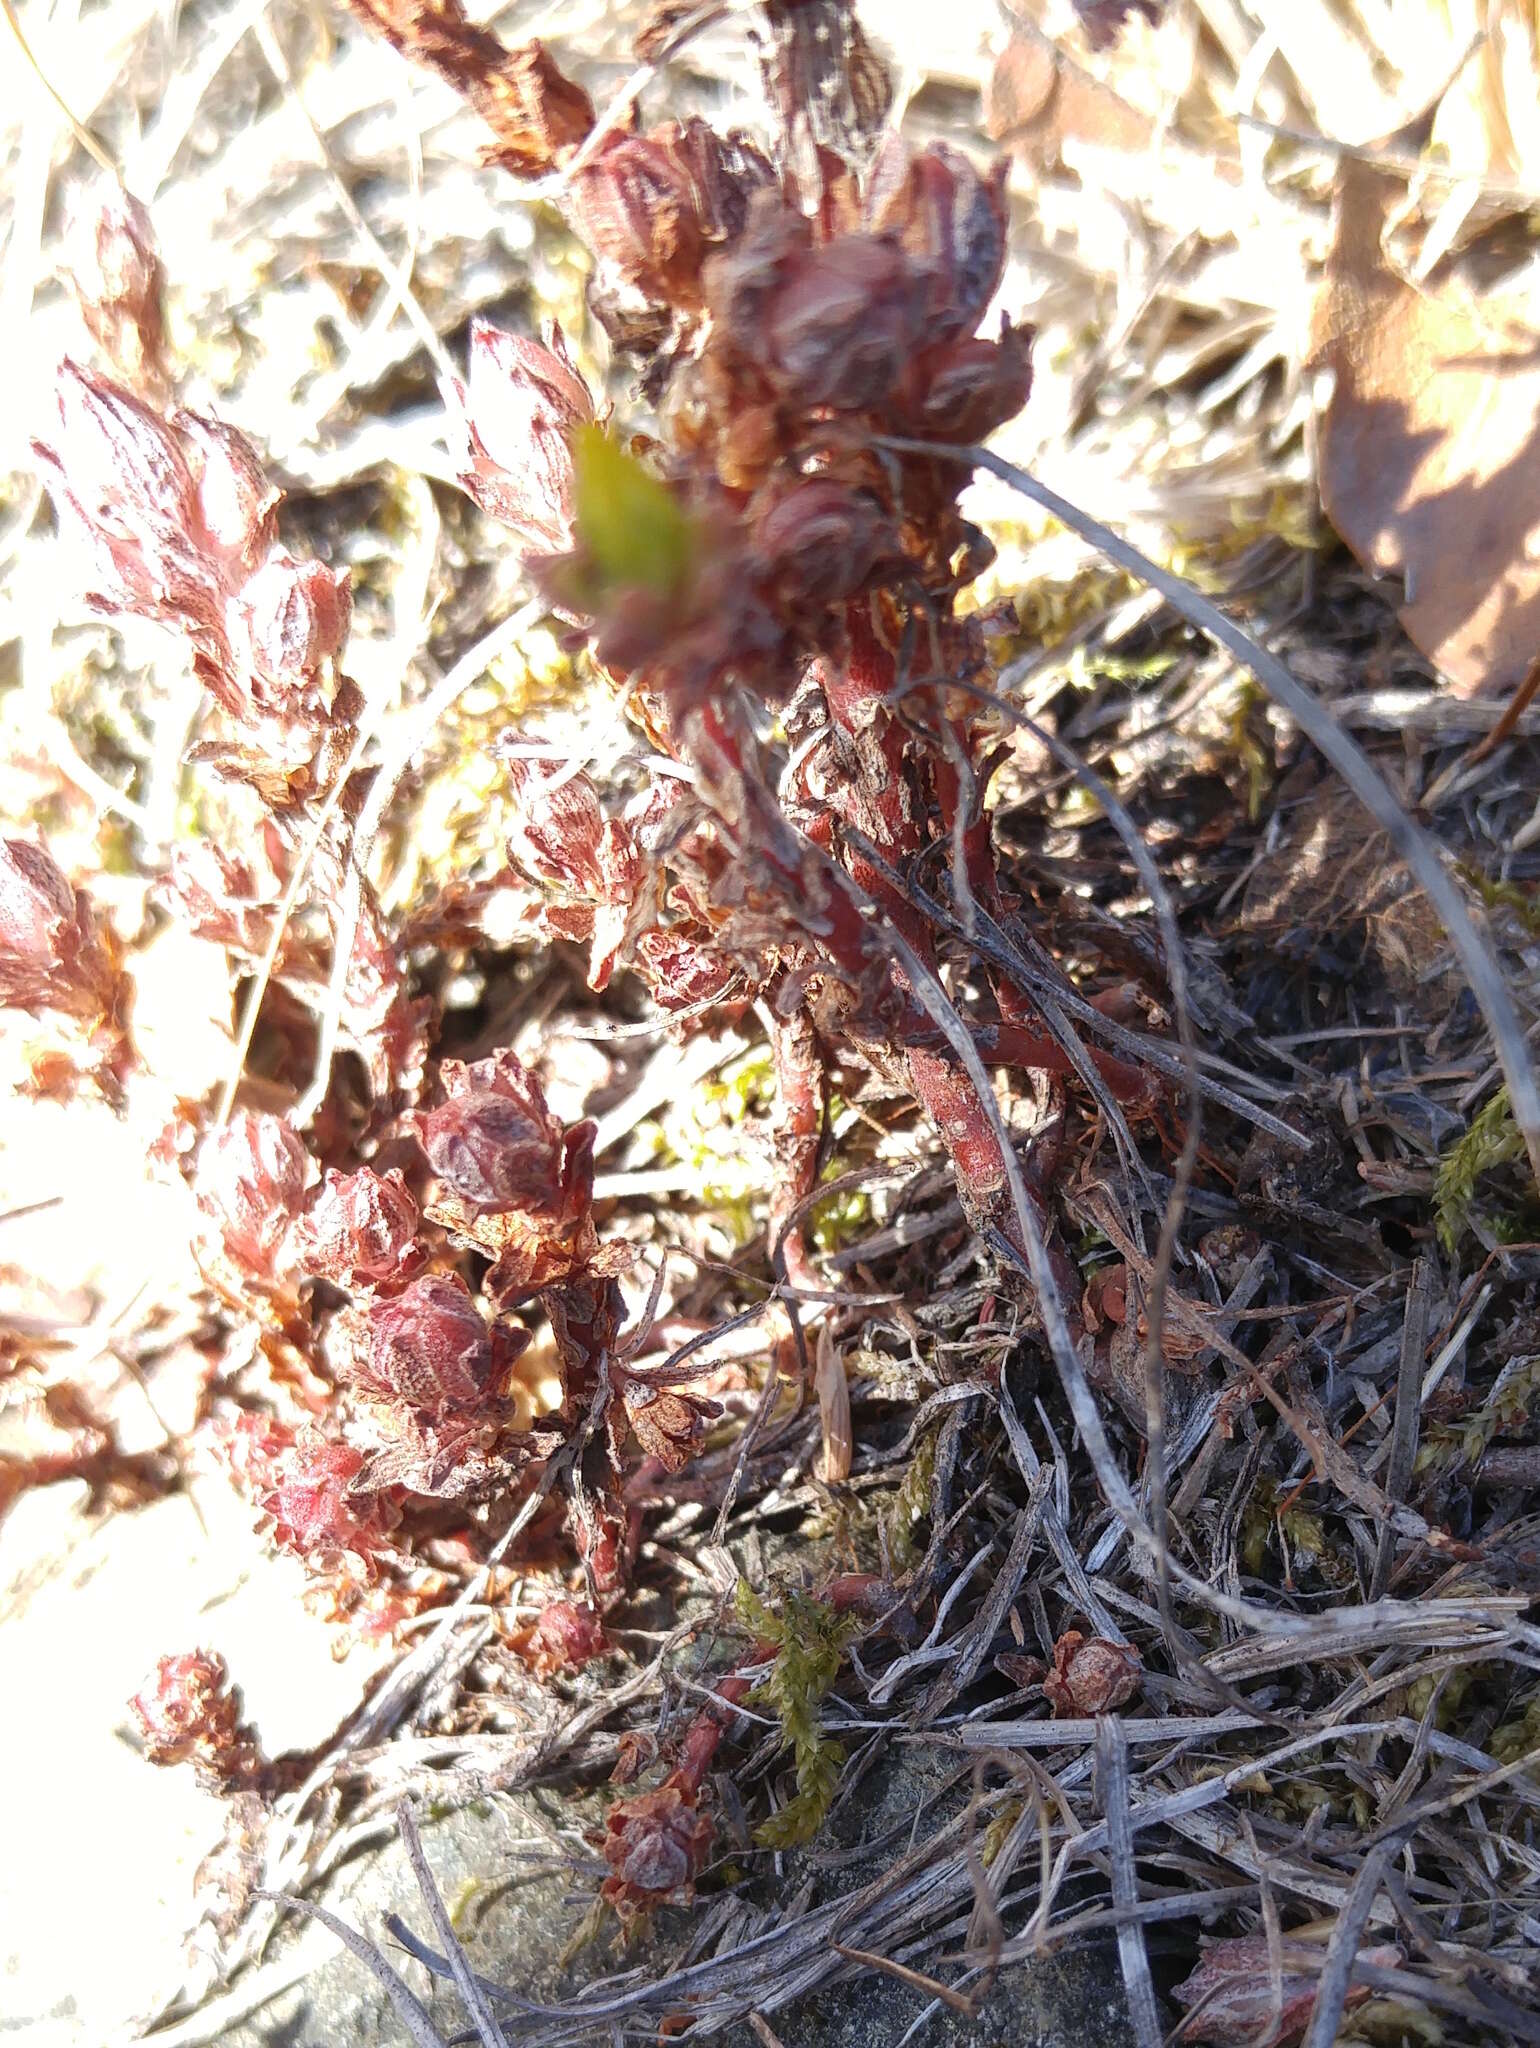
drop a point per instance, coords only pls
(361, 1230)
(797, 313)
(656, 1845)
(568, 1634)
(187, 1712)
(53, 956)
(430, 1347)
(252, 1177)
(313, 1508)
(1090, 1677)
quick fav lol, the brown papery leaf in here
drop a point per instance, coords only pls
(1036, 99)
(1428, 464)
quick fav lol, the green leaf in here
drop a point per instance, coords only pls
(635, 532)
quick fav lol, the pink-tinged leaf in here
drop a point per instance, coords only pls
(361, 1230)
(112, 263)
(524, 402)
(235, 498)
(313, 1509)
(1236, 2001)
(51, 956)
(252, 1178)
(431, 1348)
(682, 972)
(567, 1635)
(293, 617)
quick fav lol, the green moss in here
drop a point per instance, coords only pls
(834, 1221)
(1523, 903)
(1493, 1141)
(810, 1642)
(703, 1130)
(911, 1504)
(1519, 1737)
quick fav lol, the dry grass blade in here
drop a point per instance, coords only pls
(1403, 1451)
(1112, 1778)
(413, 2014)
(485, 2021)
(1342, 1951)
(1345, 755)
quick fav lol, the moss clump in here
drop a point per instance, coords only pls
(810, 1641)
(911, 1504)
(1493, 1141)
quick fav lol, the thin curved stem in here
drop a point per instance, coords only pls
(1313, 718)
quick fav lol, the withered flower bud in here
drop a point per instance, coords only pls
(656, 1845)
(313, 1513)
(638, 208)
(118, 281)
(430, 1348)
(951, 223)
(1249, 1990)
(635, 208)
(361, 1230)
(494, 1143)
(842, 330)
(1090, 1678)
(294, 616)
(681, 973)
(819, 541)
(51, 956)
(491, 1153)
(567, 1635)
(725, 171)
(252, 1177)
(666, 1423)
(744, 281)
(523, 404)
(969, 388)
(536, 113)
(188, 1713)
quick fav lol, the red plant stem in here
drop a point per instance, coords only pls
(704, 1735)
(799, 1077)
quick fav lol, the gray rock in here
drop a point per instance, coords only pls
(506, 1870)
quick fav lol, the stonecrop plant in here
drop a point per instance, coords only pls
(755, 532)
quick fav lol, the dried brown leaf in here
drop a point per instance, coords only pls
(1427, 444)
